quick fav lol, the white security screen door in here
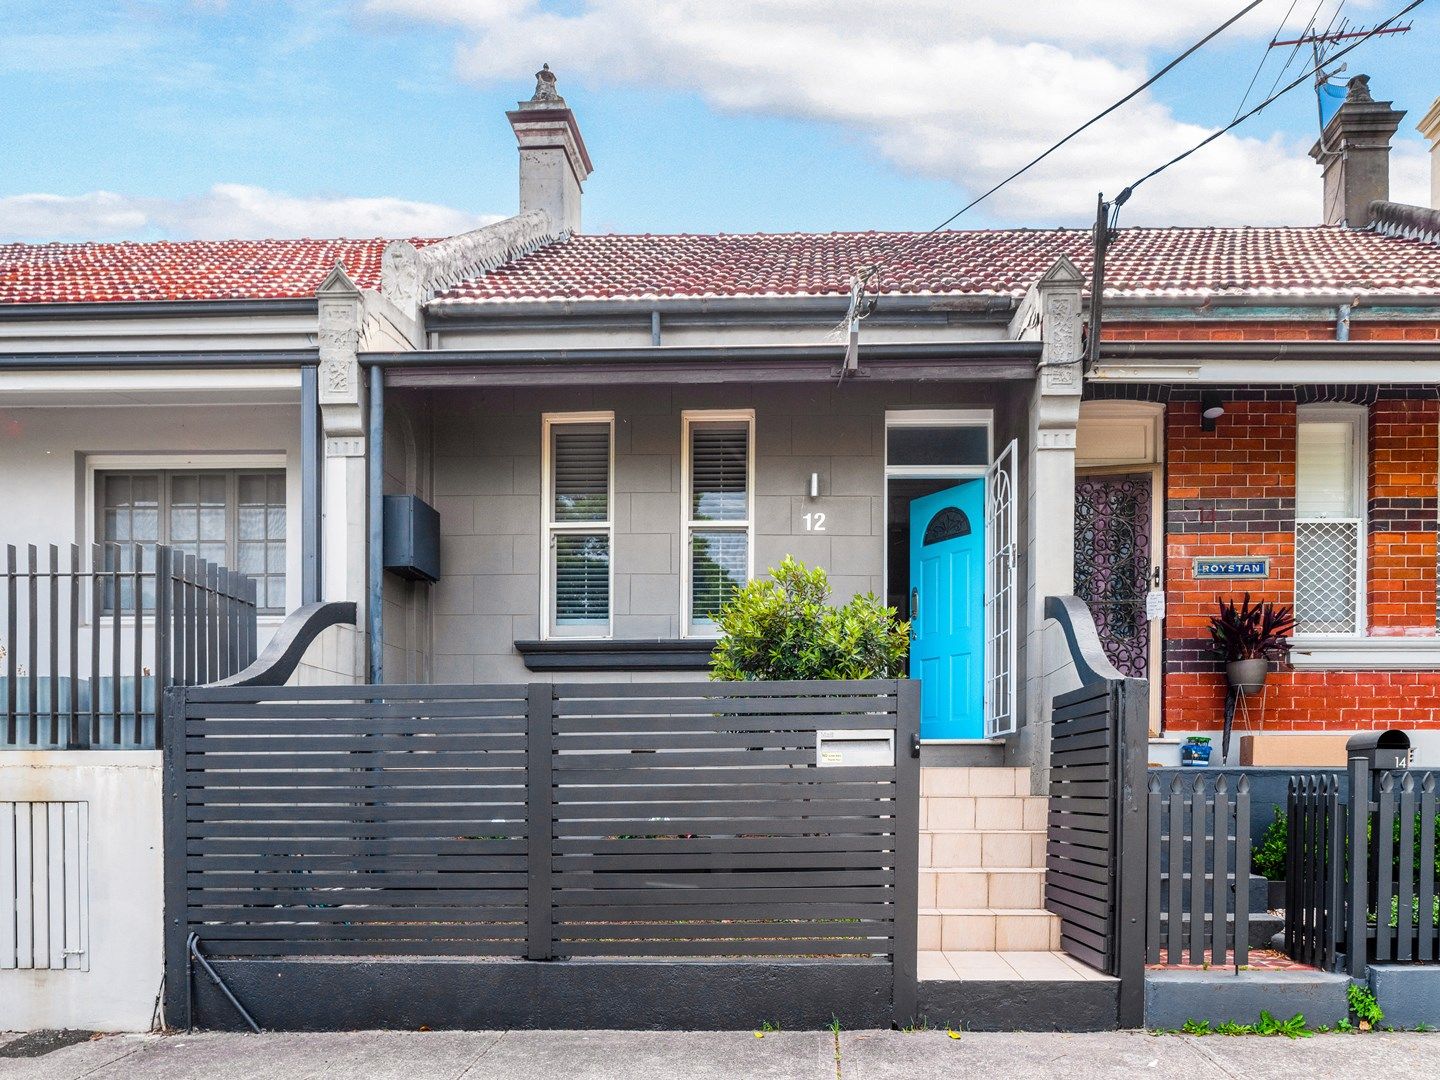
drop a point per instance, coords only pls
(1000, 594)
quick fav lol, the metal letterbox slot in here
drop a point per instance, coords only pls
(872, 747)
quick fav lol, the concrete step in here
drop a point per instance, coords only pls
(989, 930)
(948, 887)
(982, 780)
(1263, 927)
(983, 849)
(1034, 966)
(983, 811)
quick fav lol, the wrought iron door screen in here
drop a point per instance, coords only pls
(1112, 563)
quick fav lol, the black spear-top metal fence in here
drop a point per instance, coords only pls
(92, 637)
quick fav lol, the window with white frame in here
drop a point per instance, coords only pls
(579, 530)
(1330, 520)
(233, 517)
(718, 513)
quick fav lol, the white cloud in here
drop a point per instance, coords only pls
(962, 90)
(226, 211)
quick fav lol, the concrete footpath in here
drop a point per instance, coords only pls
(611, 1055)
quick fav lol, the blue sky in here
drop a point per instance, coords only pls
(164, 118)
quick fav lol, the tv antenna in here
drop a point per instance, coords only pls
(1322, 44)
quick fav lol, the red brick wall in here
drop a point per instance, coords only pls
(1402, 514)
(1231, 492)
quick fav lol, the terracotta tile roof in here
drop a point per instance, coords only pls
(1180, 262)
(188, 270)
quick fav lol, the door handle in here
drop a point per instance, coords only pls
(914, 612)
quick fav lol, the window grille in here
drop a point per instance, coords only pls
(1327, 576)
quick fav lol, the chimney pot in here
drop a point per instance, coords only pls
(554, 163)
(1354, 154)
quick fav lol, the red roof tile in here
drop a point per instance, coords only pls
(1280, 262)
(189, 270)
(1144, 262)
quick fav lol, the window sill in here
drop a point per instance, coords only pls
(1365, 653)
(592, 654)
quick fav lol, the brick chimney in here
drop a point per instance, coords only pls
(553, 161)
(1354, 152)
(1430, 127)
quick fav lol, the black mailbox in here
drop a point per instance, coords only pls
(411, 543)
(1383, 749)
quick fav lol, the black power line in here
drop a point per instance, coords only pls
(1129, 190)
(1101, 115)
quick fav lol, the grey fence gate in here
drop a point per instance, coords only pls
(1363, 875)
(1197, 896)
(740, 846)
(1095, 871)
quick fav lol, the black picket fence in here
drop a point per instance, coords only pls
(1361, 872)
(93, 636)
(1199, 871)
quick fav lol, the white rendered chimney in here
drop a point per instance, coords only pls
(1430, 127)
(553, 161)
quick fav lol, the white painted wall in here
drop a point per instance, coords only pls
(125, 889)
(44, 449)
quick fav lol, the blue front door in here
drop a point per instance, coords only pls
(947, 610)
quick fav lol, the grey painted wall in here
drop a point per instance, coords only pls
(486, 486)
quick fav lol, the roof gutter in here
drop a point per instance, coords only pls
(995, 305)
(213, 359)
(146, 309)
(1008, 350)
(749, 364)
(1307, 351)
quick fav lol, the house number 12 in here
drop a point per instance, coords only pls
(815, 522)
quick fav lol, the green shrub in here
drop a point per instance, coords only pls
(784, 627)
(1267, 857)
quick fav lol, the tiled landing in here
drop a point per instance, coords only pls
(937, 966)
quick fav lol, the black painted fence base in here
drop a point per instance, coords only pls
(1020, 1006)
(407, 994)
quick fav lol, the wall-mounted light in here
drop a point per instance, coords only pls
(1212, 407)
(814, 485)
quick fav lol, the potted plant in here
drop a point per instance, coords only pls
(1248, 637)
(1196, 751)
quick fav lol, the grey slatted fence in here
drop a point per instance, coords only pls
(80, 670)
(670, 820)
(1199, 872)
(698, 822)
(1095, 877)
